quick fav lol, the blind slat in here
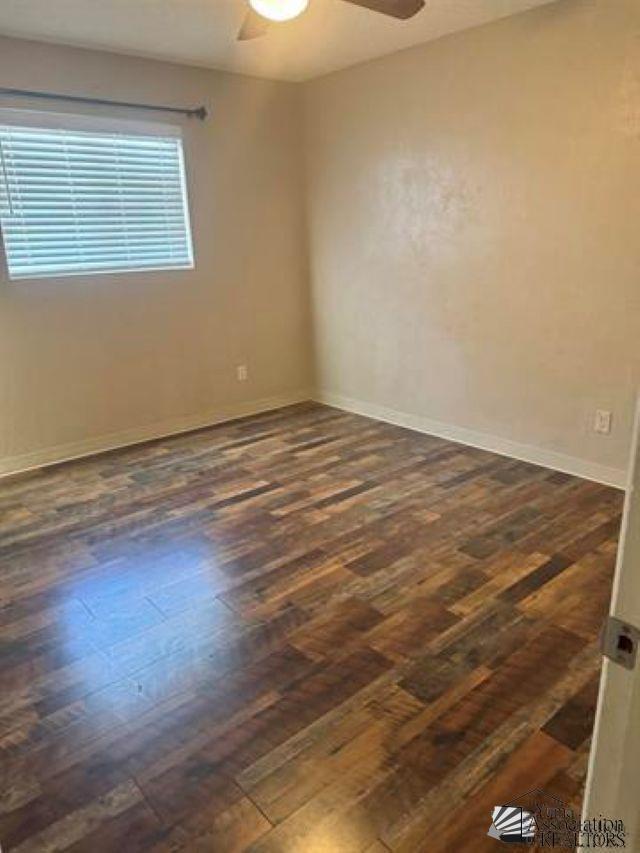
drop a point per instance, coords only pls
(74, 202)
(57, 239)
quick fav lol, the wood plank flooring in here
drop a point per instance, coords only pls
(303, 631)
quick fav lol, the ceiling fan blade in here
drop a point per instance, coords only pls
(253, 26)
(402, 9)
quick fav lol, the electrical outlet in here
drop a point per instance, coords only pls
(242, 372)
(602, 422)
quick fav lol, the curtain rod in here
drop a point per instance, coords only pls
(195, 112)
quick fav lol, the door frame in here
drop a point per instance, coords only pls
(613, 779)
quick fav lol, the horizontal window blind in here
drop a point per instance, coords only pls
(73, 202)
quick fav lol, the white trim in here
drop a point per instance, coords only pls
(615, 477)
(184, 186)
(10, 465)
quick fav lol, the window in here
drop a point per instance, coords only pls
(75, 202)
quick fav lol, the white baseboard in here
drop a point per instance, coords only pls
(505, 447)
(88, 447)
(528, 453)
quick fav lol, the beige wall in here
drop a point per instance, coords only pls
(471, 235)
(474, 210)
(91, 360)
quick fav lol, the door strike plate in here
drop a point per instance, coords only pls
(620, 642)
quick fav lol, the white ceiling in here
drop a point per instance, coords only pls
(331, 35)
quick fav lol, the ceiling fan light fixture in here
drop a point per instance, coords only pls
(279, 10)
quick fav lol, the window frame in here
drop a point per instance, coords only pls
(100, 124)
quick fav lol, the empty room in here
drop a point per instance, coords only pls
(319, 432)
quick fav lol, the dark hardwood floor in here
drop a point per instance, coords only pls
(303, 631)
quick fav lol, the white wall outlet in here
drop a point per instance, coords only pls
(602, 422)
(242, 372)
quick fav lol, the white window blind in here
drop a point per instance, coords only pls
(73, 202)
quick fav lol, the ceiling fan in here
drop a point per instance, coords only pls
(262, 13)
